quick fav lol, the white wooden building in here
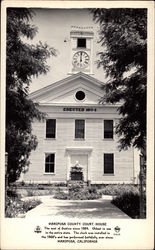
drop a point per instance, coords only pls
(78, 128)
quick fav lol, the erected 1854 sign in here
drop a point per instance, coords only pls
(80, 109)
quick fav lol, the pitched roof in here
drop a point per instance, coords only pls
(64, 81)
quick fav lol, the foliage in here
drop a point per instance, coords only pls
(61, 196)
(15, 206)
(20, 190)
(23, 61)
(30, 204)
(129, 203)
(11, 192)
(75, 186)
(123, 36)
(34, 192)
(38, 185)
(78, 192)
(76, 169)
(119, 189)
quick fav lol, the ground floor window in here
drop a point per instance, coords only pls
(108, 163)
(49, 163)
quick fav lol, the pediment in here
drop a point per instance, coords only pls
(65, 91)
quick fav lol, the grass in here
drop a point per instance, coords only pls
(129, 203)
(125, 196)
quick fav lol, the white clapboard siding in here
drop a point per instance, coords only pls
(123, 161)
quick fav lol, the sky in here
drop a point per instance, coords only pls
(54, 26)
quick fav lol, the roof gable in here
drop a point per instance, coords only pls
(64, 91)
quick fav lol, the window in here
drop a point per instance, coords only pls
(108, 163)
(79, 129)
(49, 163)
(80, 95)
(108, 129)
(50, 128)
(81, 42)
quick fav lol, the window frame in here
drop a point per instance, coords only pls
(111, 138)
(77, 138)
(78, 99)
(51, 138)
(50, 173)
(108, 174)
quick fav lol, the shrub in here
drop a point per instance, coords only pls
(75, 186)
(30, 192)
(60, 184)
(11, 207)
(119, 189)
(33, 192)
(91, 194)
(61, 195)
(13, 193)
(78, 192)
(14, 206)
(22, 183)
(51, 192)
(92, 190)
(40, 192)
(30, 204)
(129, 203)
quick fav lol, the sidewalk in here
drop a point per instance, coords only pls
(101, 208)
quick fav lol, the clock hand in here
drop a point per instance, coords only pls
(81, 57)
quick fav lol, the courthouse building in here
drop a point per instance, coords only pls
(78, 129)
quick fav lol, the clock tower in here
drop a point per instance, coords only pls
(81, 49)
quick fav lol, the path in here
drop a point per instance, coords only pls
(101, 208)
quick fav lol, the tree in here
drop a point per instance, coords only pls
(123, 35)
(22, 62)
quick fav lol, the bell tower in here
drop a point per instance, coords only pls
(81, 49)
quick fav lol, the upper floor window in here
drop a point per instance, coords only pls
(108, 129)
(50, 128)
(80, 129)
(49, 163)
(108, 163)
(81, 42)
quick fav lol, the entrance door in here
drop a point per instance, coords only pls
(82, 160)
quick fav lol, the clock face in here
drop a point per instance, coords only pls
(81, 59)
